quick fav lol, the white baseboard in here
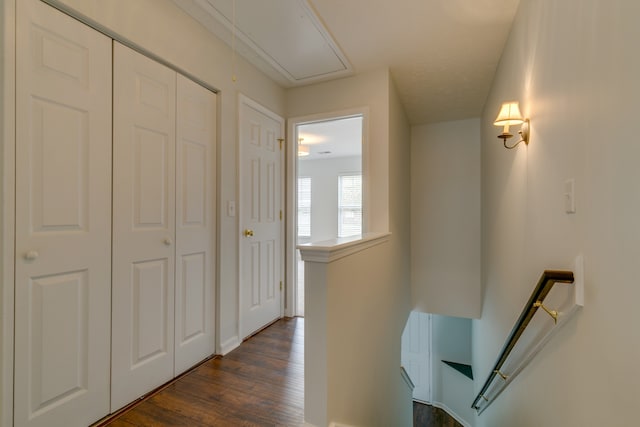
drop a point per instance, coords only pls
(450, 412)
(229, 345)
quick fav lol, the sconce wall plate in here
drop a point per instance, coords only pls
(524, 131)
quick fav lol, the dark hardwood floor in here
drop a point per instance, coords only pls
(261, 383)
(429, 416)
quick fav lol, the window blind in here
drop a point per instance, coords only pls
(349, 205)
(304, 207)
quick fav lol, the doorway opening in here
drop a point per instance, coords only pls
(328, 186)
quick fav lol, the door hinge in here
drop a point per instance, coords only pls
(280, 140)
(281, 285)
(280, 214)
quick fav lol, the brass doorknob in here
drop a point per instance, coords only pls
(248, 233)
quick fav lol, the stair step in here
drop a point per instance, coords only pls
(465, 370)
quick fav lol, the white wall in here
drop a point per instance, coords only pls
(574, 67)
(360, 371)
(324, 192)
(445, 218)
(369, 294)
(398, 298)
(451, 341)
(368, 90)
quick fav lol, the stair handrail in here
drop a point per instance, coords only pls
(548, 279)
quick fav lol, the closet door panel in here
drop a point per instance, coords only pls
(63, 220)
(143, 225)
(195, 224)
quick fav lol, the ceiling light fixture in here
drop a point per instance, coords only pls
(510, 115)
(303, 150)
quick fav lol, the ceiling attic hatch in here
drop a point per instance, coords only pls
(284, 38)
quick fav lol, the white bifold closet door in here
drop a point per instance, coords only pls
(144, 142)
(163, 225)
(195, 224)
(63, 220)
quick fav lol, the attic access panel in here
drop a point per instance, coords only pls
(286, 34)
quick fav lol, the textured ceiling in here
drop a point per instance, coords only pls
(331, 138)
(442, 53)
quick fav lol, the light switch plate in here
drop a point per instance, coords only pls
(569, 196)
(231, 208)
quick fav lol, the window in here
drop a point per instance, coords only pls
(304, 206)
(349, 205)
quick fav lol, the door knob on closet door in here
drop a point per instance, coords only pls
(167, 241)
(31, 255)
(248, 233)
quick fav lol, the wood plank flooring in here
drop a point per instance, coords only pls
(430, 416)
(261, 383)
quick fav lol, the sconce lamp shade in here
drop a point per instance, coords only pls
(509, 115)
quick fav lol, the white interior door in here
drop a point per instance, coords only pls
(416, 354)
(261, 250)
(195, 224)
(143, 225)
(63, 220)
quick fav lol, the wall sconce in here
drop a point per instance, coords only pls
(510, 115)
(303, 150)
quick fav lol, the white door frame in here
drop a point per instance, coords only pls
(245, 100)
(7, 215)
(292, 195)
